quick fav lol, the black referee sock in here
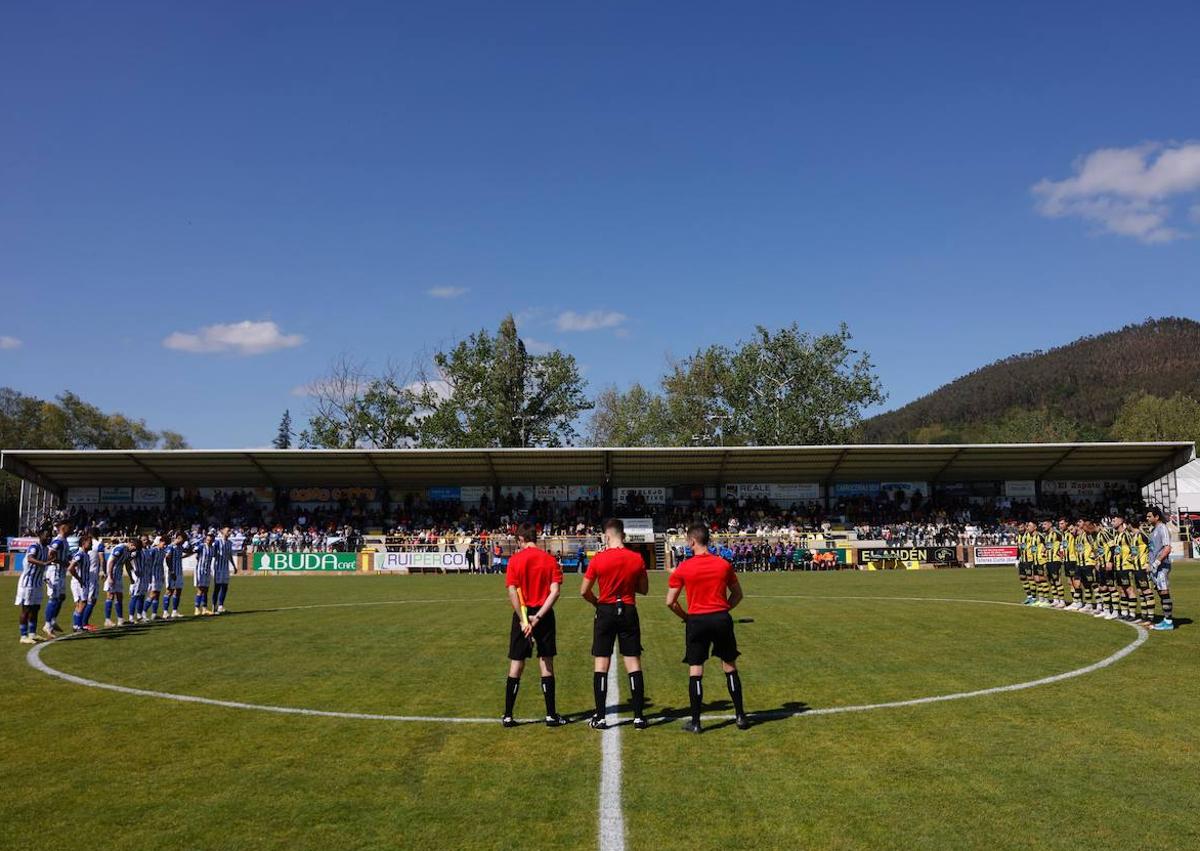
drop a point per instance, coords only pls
(734, 682)
(637, 693)
(548, 693)
(510, 695)
(600, 693)
(1164, 597)
(696, 695)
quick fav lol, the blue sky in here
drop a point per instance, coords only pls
(956, 181)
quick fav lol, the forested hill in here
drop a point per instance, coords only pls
(1073, 392)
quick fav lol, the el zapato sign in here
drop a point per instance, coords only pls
(926, 555)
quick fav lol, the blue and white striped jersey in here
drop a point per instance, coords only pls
(33, 575)
(173, 556)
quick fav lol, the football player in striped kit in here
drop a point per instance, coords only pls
(95, 578)
(156, 578)
(56, 578)
(222, 566)
(79, 570)
(114, 582)
(173, 560)
(138, 568)
(31, 585)
(202, 578)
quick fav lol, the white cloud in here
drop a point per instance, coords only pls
(9, 342)
(446, 292)
(241, 338)
(1126, 191)
(593, 320)
(440, 387)
(536, 347)
(329, 387)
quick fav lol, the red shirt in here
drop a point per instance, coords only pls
(704, 579)
(617, 573)
(531, 571)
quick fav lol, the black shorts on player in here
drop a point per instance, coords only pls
(1141, 579)
(711, 632)
(544, 635)
(1125, 578)
(616, 623)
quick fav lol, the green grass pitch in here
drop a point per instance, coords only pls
(1108, 759)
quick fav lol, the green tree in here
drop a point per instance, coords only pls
(1144, 416)
(490, 391)
(779, 387)
(354, 410)
(635, 417)
(283, 438)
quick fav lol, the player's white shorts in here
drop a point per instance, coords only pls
(114, 585)
(55, 588)
(83, 592)
(30, 596)
(1162, 576)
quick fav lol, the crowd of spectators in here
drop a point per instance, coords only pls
(894, 518)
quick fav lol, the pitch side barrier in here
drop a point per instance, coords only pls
(841, 551)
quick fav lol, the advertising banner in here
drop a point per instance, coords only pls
(855, 488)
(798, 492)
(474, 493)
(925, 555)
(1020, 489)
(586, 492)
(116, 496)
(302, 495)
(653, 496)
(1088, 489)
(83, 496)
(906, 487)
(840, 555)
(551, 493)
(408, 561)
(303, 562)
(444, 494)
(995, 555)
(638, 530)
(16, 551)
(149, 496)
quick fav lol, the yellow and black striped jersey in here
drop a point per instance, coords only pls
(1027, 541)
(1072, 544)
(1054, 545)
(1041, 549)
(1104, 547)
(1139, 550)
(1086, 545)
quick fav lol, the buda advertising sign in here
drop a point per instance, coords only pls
(306, 562)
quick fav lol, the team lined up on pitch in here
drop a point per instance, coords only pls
(612, 583)
(1113, 568)
(153, 566)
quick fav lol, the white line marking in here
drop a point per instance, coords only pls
(33, 657)
(611, 828)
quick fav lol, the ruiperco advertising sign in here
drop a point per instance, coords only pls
(407, 561)
(305, 562)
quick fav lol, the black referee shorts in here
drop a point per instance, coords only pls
(712, 632)
(616, 623)
(545, 635)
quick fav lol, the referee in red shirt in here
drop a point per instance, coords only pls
(618, 576)
(712, 590)
(537, 575)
